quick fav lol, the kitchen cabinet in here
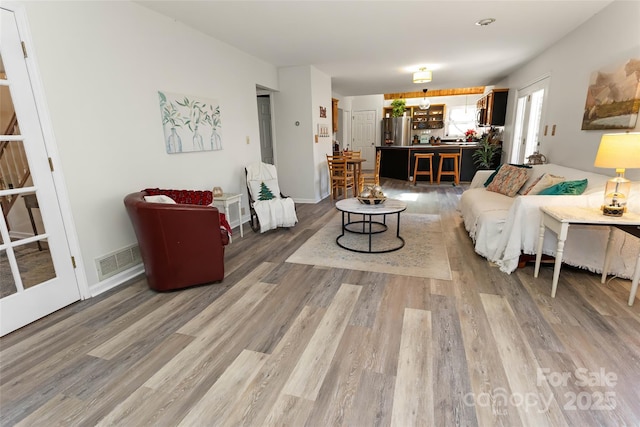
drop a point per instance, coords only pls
(433, 118)
(492, 108)
(399, 162)
(334, 114)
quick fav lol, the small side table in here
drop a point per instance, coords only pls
(225, 201)
(559, 218)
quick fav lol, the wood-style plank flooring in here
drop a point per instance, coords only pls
(278, 344)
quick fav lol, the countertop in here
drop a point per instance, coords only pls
(445, 145)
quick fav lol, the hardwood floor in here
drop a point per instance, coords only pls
(291, 344)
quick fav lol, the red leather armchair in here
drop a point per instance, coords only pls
(181, 245)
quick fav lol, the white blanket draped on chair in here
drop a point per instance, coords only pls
(277, 212)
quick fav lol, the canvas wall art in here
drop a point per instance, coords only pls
(613, 97)
(190, 123)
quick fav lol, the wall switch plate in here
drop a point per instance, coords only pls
(248, 140)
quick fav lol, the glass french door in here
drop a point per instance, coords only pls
(36, 271)
(527, 128)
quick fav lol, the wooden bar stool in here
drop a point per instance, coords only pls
(455, 172)
(417, 172)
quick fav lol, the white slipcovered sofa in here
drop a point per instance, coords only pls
(503, 227)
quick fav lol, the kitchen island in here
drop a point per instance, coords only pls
(398, 161)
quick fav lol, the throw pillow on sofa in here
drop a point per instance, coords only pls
(566, 188)
(495, 172)
(508, 180)
(546, 180)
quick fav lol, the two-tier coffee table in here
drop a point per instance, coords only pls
(367, 226)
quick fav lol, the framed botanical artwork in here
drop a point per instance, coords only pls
(613, 97)
(190, 123)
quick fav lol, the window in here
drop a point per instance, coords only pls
(461, 118)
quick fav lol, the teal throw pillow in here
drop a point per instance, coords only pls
(565, 188)
(493, 175)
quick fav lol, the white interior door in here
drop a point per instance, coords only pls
(527, 130)
(36, 271)
(364, 135)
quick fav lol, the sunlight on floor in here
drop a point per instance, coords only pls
(408, 196)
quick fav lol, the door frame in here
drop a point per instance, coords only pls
(542, 82)
(50, 146)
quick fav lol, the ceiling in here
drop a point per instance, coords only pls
(372, 47)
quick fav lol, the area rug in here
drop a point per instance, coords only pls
(423, 255)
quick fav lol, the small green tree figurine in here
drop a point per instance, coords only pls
(265, 193)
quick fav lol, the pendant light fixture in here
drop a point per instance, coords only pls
(424, 104)
(422, 76)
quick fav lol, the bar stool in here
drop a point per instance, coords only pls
(455, 172)
(416, 172)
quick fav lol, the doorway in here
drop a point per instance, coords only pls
(527, 129)
(364, 134)
(36, 268)
(266, 135)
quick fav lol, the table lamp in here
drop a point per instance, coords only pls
(619, 151)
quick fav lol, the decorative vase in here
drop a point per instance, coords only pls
(174, 143)
(198, 143)
(217, 192)
(216, 141)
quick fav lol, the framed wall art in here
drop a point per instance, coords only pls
(613, 97)
(190, 123)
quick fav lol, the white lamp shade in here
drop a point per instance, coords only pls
(422, 76)
(619, 151)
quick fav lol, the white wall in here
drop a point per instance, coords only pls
(321, 96)
(294, 128)
(301, 162)
(610, 37)
(101, 65)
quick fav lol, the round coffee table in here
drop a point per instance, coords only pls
(367, 225)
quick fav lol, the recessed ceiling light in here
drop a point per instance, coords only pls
(485, 22)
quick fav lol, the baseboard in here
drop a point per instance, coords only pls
(116, 280)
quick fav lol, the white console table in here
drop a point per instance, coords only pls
(226, 200)
(559, 218)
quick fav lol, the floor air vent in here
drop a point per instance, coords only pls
(118, 261)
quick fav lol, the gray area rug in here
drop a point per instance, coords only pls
(423, 255)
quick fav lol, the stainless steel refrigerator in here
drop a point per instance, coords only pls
(396, 131)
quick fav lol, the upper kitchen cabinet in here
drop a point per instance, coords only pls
(334, 114)
(492, 108)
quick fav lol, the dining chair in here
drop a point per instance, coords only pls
(342, 177)
(368, 177)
